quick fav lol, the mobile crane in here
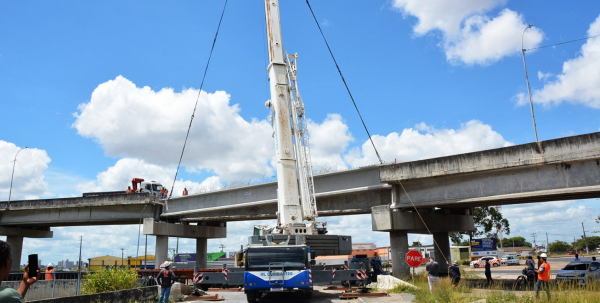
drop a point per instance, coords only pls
(279, 258)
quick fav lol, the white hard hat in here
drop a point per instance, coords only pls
(165, 264)
(50, 265)
(543, 255)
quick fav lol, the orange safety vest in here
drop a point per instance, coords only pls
(185, 192)
(545, 276)
(128, 191)
(49, 276)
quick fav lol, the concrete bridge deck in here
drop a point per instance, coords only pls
(568, 168)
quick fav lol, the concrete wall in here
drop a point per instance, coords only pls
(43, 289)
(145, 294)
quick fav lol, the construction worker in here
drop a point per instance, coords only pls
(166, 193)
(162, 192)
(185, 192)
(129, 189)
(543, 277)
(49, 271)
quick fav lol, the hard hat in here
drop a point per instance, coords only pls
(50, 265)
(543, 255)
(165, 264)
(456, 263)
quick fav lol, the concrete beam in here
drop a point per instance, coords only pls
(183, 231)
(25, 232)
(384, 218)
(84, 216)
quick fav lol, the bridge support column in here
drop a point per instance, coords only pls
(399, 248)
(201, 252)
(161, 250)
(14, 237)
(16, 247)
(441, 249)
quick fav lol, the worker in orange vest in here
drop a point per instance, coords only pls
(162, 192)
(185, 192)
(128, 189)
(166, 193)
(49, 271)
(543, 277)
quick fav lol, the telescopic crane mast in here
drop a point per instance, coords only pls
(295, 195)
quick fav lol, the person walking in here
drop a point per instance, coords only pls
(433, 269)
(185, 192)
(166, 279)
(577, 257)
(7, 294)
(488, 272)
(454, 274)
(543, 277)
(49, 270)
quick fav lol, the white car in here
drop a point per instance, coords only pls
(511, 260)
(481, 262)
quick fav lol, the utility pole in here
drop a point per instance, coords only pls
(534, 244)
(587, 249)
(122, 251)
(547, 243)
(222, 247)
(79, 265)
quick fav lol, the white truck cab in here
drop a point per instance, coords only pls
(152, 187)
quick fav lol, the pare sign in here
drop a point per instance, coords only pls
(414, 258)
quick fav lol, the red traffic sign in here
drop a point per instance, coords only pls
(414, 258)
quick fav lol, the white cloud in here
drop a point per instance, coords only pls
(427, 142)
(119, 176)
(28, 182)
(469, 35)
(579, 82)
(544, 76)
(140, 123)
(328, 141)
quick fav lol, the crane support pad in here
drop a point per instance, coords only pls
(214, 297)
(354, 295)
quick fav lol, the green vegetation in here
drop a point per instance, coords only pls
(516, 242)
(559, 246)
(565, 293)
(593, 242)
(105, 280)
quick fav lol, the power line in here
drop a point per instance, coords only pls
(563, 42)
(196, 105)
(344, 80)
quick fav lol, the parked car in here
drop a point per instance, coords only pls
(481, 262)
(510, 260)
(579, 272)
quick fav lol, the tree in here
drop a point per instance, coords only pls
(458, 240)
(559, 246)
(416, 243)
(486, 220)
(516, 242)
(593, 243)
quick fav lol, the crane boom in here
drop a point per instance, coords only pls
(295, 190)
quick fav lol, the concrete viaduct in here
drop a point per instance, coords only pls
(444, 190)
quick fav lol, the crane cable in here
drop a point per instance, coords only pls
(389, 165)
(345, 84)
(196, 105)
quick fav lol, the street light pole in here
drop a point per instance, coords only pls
(122, 250)
(529, 89)
(12, 176)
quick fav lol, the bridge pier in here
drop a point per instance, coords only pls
(14, 237)
(201, 233)
(439, 222)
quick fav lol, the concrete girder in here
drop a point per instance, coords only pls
(183, 230)
(385, 218)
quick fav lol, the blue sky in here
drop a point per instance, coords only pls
(431, 78)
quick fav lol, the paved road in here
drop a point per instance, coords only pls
(513, 271)
(320, 295)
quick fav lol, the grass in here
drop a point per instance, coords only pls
(566, 293)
